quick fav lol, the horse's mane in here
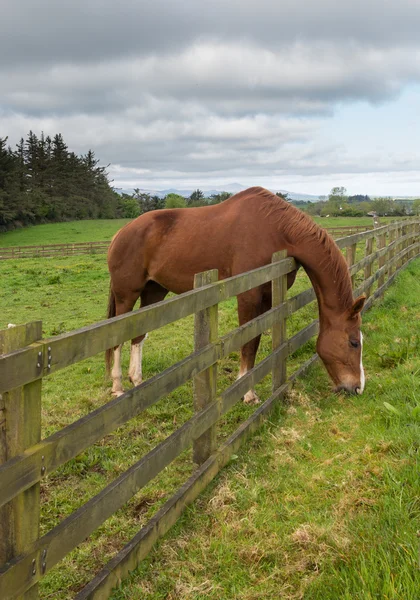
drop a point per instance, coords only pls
(299, 229)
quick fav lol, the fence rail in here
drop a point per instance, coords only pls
(52, 250)
(26, 358)
(78, 248)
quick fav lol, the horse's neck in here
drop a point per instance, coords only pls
(328, 272)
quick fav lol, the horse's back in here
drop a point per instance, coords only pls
(170, 246)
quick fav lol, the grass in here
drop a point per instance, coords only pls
(351, 221)
(60, 233)
(103, 230)
(323, 503)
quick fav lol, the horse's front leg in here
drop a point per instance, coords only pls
(250, 305)
(248, 353)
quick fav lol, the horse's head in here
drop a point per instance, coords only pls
(339, 346)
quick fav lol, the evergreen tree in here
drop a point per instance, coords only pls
(7, 168)
(43, 181)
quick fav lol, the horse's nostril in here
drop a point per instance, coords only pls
(348, 389)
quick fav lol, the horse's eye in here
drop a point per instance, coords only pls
(354, 343)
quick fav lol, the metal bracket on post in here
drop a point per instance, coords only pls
(40, 362)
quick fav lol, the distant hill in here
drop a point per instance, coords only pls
(233, 188)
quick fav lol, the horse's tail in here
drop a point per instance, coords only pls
(111, 313)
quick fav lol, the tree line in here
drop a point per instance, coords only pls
(141, 202)
(41, 181)
(338, 203)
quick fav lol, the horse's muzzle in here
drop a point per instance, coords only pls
(349, 389)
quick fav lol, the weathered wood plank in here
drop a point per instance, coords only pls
(392, 246)
(380, 291)
(205, 383)
(300, 300)
(65, 444)
(130, 556)
(17, 336)
(20, 367)
(369, 258)
(51, 250)
(26, 469)
(303, 336)
(351, 257)
(73, 439)
(278, 332)
(382, 259)
(137, 549)
(358, 237)
(367, 284)
(20, 427)
(56, 544)
(264, 367)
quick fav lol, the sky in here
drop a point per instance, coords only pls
(299, 96)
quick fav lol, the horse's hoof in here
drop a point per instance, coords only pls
(251, 398)
(117, 393)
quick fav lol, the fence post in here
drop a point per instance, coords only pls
(368, 268)
(205, 383)
(381, 259)
(391, 253)
(400, 245)
(279, 332)
(417, 231)
(20, 428)
(408, 243)
(351, 259)
(412, 240)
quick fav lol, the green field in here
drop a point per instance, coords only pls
(322, 504)
(350, 221)
(103, 230)
(60, 233)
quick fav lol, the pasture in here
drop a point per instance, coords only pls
(322, 501)
(103, 229)
(98, 230)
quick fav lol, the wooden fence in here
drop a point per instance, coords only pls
(52, 250)
(26, 358)
(70, 249)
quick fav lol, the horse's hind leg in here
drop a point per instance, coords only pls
(135, 369)
(153, 292)
(122, 305)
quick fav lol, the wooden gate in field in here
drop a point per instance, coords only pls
(25, 358)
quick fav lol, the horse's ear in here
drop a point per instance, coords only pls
(358, 304)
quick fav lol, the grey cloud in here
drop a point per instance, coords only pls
(220, 88)
(104, 29)
(227, 78)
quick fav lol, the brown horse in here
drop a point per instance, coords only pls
(161, 251)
